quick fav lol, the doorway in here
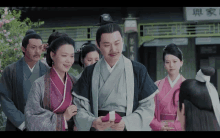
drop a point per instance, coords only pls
(147, 56)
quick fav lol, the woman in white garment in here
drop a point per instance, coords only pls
(88, 55)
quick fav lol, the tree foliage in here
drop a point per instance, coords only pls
(12, 31)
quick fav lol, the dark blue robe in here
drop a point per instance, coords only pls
(13, 100)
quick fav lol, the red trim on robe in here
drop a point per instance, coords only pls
(57, 94)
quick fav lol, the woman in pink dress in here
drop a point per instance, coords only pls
(165, 118)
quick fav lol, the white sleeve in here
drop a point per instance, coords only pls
(84, 118)
(140, 119)
(66, 126)
(22, 126)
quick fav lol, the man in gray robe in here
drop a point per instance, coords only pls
(18, 78)
(114, 83)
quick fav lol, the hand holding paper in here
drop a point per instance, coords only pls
(112, 120)
(118, 124)
(112, 116)
(99, 125)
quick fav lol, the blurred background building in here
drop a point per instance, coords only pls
(194, 29)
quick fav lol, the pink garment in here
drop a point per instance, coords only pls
(107, 117)
(60, 98)
(164, 106)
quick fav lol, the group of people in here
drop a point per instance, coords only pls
(37, 96)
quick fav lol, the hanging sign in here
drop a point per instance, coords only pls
(202, 13)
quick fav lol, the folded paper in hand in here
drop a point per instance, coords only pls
(112, 116)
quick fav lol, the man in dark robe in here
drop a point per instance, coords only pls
(116, 84)
(17, 79)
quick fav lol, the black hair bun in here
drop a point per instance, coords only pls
(30, 31)
(170, 46)
(208, 71)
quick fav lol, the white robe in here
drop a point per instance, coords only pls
(135, 120)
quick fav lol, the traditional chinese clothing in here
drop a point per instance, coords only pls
(167, 103)
(17, 79)
(48, 100)
(127, 89)
(79, 75)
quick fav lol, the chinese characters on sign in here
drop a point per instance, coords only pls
(132, 45)
(132, 48)
(210, 11)
(202, 13)
(197, 11)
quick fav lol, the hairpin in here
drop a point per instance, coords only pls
(164, 47)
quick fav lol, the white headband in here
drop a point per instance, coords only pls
(212, 92)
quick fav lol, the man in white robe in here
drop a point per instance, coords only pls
(114, 83)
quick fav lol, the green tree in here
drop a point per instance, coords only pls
(12, 31)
